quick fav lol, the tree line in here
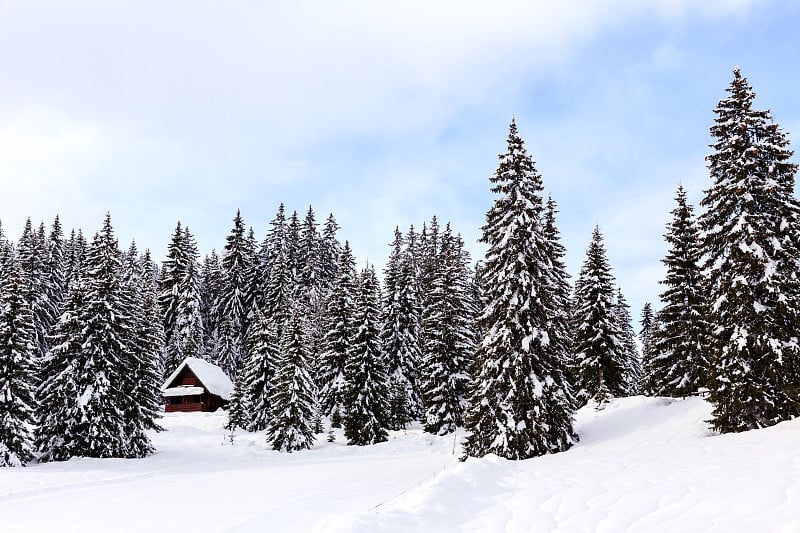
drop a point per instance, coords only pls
(508, 347)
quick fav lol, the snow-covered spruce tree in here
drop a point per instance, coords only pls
(294, 255)
(428, 251)
(211, 281)
(55, 284)
(310, 288)
(186, 339)
(16, 372)
(311, 294)
(94, 385)
(632, 359)
(32, 256)
(518, 405)
(646, 328)
(329, 251)
(190, 321)
(340, 329)
(254, 276)
(229, 349)
(260, 369)
(366, 391)
(180, 300)
(142, 374)
(750, 245)
(235, 298)
(679, 361)
(413, 249)
(100, 430)
(449, 340)
(289, 428)
(172, 270)
(597, 339)
(239, 415)
(281, 280)
(400, 335)
(75, 256)
(56, 408)
(6, 255)
(151, 331)
(558, 292)
(425, 261)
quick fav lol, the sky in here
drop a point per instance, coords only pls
(384, 113)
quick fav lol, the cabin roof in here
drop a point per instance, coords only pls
(210, 376)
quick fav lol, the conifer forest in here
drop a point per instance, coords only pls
(507, 346)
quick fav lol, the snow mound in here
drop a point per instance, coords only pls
(643, 464)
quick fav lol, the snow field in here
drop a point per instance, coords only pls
(199, 482)
(643, 464)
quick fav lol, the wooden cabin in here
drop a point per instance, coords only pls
(196, 385)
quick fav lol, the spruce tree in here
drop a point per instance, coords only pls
(16, 372)
(6, 256)
(289, 427)
(646, 332)
(281, 276)
(172, 270)
(56, 410)
(366, 383)
(630, 351)
(679, 362)
(181, 301)
(400, 335)
(54, 283)
(230, 351)
(340, 328)
(235, 299)
(518, 404)
(329, 251)
(449, 341)
(750, 244)
(598, 341)
(94, 384)
(259, 375)
(31, 257)
(212, 281)
(311, 293)
(141, 374)
(310, 289)
(101, 430)
(152, 345)
(75, 256)
(559, 299)
(239, 408)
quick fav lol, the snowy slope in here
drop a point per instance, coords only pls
(643, 464)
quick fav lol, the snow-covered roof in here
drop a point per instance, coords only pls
(211, 376)
(183, 390)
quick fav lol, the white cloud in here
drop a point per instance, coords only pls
(188, 110)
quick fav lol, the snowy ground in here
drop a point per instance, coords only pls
(642, 465)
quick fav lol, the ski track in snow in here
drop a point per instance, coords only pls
(643, 464)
